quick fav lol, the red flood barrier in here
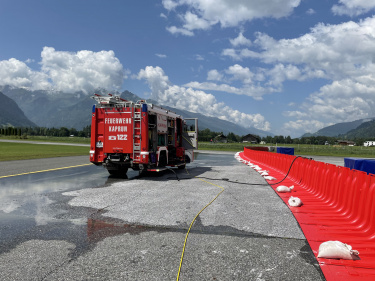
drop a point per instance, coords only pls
(338, 204)
(259, 148)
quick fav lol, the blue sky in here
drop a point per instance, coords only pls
(285, 66)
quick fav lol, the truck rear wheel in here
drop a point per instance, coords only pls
(181, 167)
(162, 159)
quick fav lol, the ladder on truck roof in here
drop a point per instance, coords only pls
(111, 101)
(137, 131)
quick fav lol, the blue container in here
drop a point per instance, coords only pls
(285, 150)
(365, 165)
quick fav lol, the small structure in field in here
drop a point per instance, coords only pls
(251, 138)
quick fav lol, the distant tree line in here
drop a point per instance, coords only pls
(23, 132)
(319, 140)
(208, 135)
(203, 135)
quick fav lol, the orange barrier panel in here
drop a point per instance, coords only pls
(338, 204)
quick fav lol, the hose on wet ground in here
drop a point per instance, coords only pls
(191, 224)
(222, 190)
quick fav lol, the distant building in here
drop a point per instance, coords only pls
(369, 143)
(345, 142)
(251, 138)
(221, 138)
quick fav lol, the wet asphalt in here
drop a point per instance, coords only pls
(81, 224)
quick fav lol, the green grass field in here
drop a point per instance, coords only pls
(21, 151)
(18, 151)
(49, 139)
(300, 149)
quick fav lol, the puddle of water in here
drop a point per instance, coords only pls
(33, 207)
(99, 229)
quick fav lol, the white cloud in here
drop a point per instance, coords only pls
(16, 73)
(240, 40)
(310, 11)
(279, 73)
(196, 101)
(240, 73)
(66, 71)
(256, 92)
(83, 70)
(231, 53)
(333, 49)
(199, 57)
(228, 13)
(193, 22)
(341, 101)
(251, 83)
(353, 7)
(214, 75)
(177, 30)
(329, 52)
(303, 125)
(169, 4)
(214, 87)
(296, 114)
(162, 56)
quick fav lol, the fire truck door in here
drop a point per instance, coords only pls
(192, 131)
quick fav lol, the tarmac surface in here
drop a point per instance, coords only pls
(81, 224)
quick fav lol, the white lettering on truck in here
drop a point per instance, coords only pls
(122, 129)
(118, 137)
(117, 121)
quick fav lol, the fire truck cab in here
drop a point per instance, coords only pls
(140, 136)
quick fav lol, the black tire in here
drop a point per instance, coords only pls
(162, 160)
(187, 159)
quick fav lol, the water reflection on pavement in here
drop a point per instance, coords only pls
(32, 206)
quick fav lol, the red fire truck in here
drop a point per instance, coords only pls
(140, 136)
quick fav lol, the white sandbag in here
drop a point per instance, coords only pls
(283, 188)
(269, 178)
(337, 250)
(294, 202)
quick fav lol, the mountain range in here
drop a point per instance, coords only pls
(11, 114)
(58, 109)
(362, 128)
(365, 130)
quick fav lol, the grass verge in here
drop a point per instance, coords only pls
(300, 149)
(79, 140)
(22, 151)
(19, 151)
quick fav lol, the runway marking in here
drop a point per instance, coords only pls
(41, 171)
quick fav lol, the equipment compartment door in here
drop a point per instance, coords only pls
(118, 132)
